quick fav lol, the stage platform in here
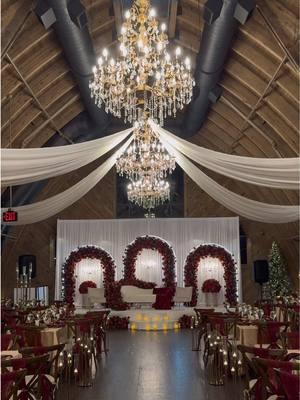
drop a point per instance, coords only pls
(149, 319)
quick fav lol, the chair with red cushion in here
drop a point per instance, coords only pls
(267, 308)
(100, 320)
(8, 341)
(52, 370)
(290, 383)
(10, 382)
(290, 340)
(269, 333)
(9, 318)
(34, 385)
(28, 335)
(201, 324)
(266, 367)
(225, 324)
(164, 297)
(253, 376)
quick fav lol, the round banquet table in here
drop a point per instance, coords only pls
(10, 354)
(247, 335)
(53, 336)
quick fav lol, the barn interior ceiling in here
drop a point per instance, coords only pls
(245, 64)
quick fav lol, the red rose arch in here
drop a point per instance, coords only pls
(154, 243)
(192, 264)
(107, 263)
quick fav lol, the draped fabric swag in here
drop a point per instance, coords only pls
(28, 165)
(44, 209)
(20, 166)
(251, 209)
(279, 173)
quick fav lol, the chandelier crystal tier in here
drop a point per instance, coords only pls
(146, 157)
(148, 193)
(146, 163)
(145, 79)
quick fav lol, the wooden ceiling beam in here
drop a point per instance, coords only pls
(75, 106)
(22, 99)
(264, 112)
(231, 105)
(264, 11)
(262, 121)
(48, 116)
(47, 121)
(172, 19)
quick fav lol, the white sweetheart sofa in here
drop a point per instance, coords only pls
(133, 294)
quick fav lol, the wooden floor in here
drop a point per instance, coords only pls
(151, 366)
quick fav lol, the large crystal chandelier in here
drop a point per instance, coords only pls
(146, 78)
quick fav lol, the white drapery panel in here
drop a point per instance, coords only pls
(21, 166)
(280, 173)
(87, 269)
(210, 268)
(183, 234)
(44, 209)
(251, 209)
(149, 266)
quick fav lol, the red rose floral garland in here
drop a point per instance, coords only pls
(192, 264)
(154, 243)
(107, 263)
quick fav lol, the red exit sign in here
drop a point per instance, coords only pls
(10, 216)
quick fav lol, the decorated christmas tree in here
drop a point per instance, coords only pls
(279, 282)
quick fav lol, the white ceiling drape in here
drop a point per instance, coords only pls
(251, 209)
(280, 173)
(44, 209)
(277, 173)
(20, 166)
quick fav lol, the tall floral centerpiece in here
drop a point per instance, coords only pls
(211, 287)
(83, 289)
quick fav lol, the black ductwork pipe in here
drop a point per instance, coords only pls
(221, 22)
(69, 21)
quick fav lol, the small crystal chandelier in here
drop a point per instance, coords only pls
(145, 79)
(149, 193)
(146, 157)
(146, 163)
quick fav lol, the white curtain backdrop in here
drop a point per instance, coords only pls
(149, 266)
(44, 209)
(183, 234)
(210, 268)
(87, 269)
(21, 166)
(280, 173)
(251, 209)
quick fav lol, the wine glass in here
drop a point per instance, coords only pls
(273, 315)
